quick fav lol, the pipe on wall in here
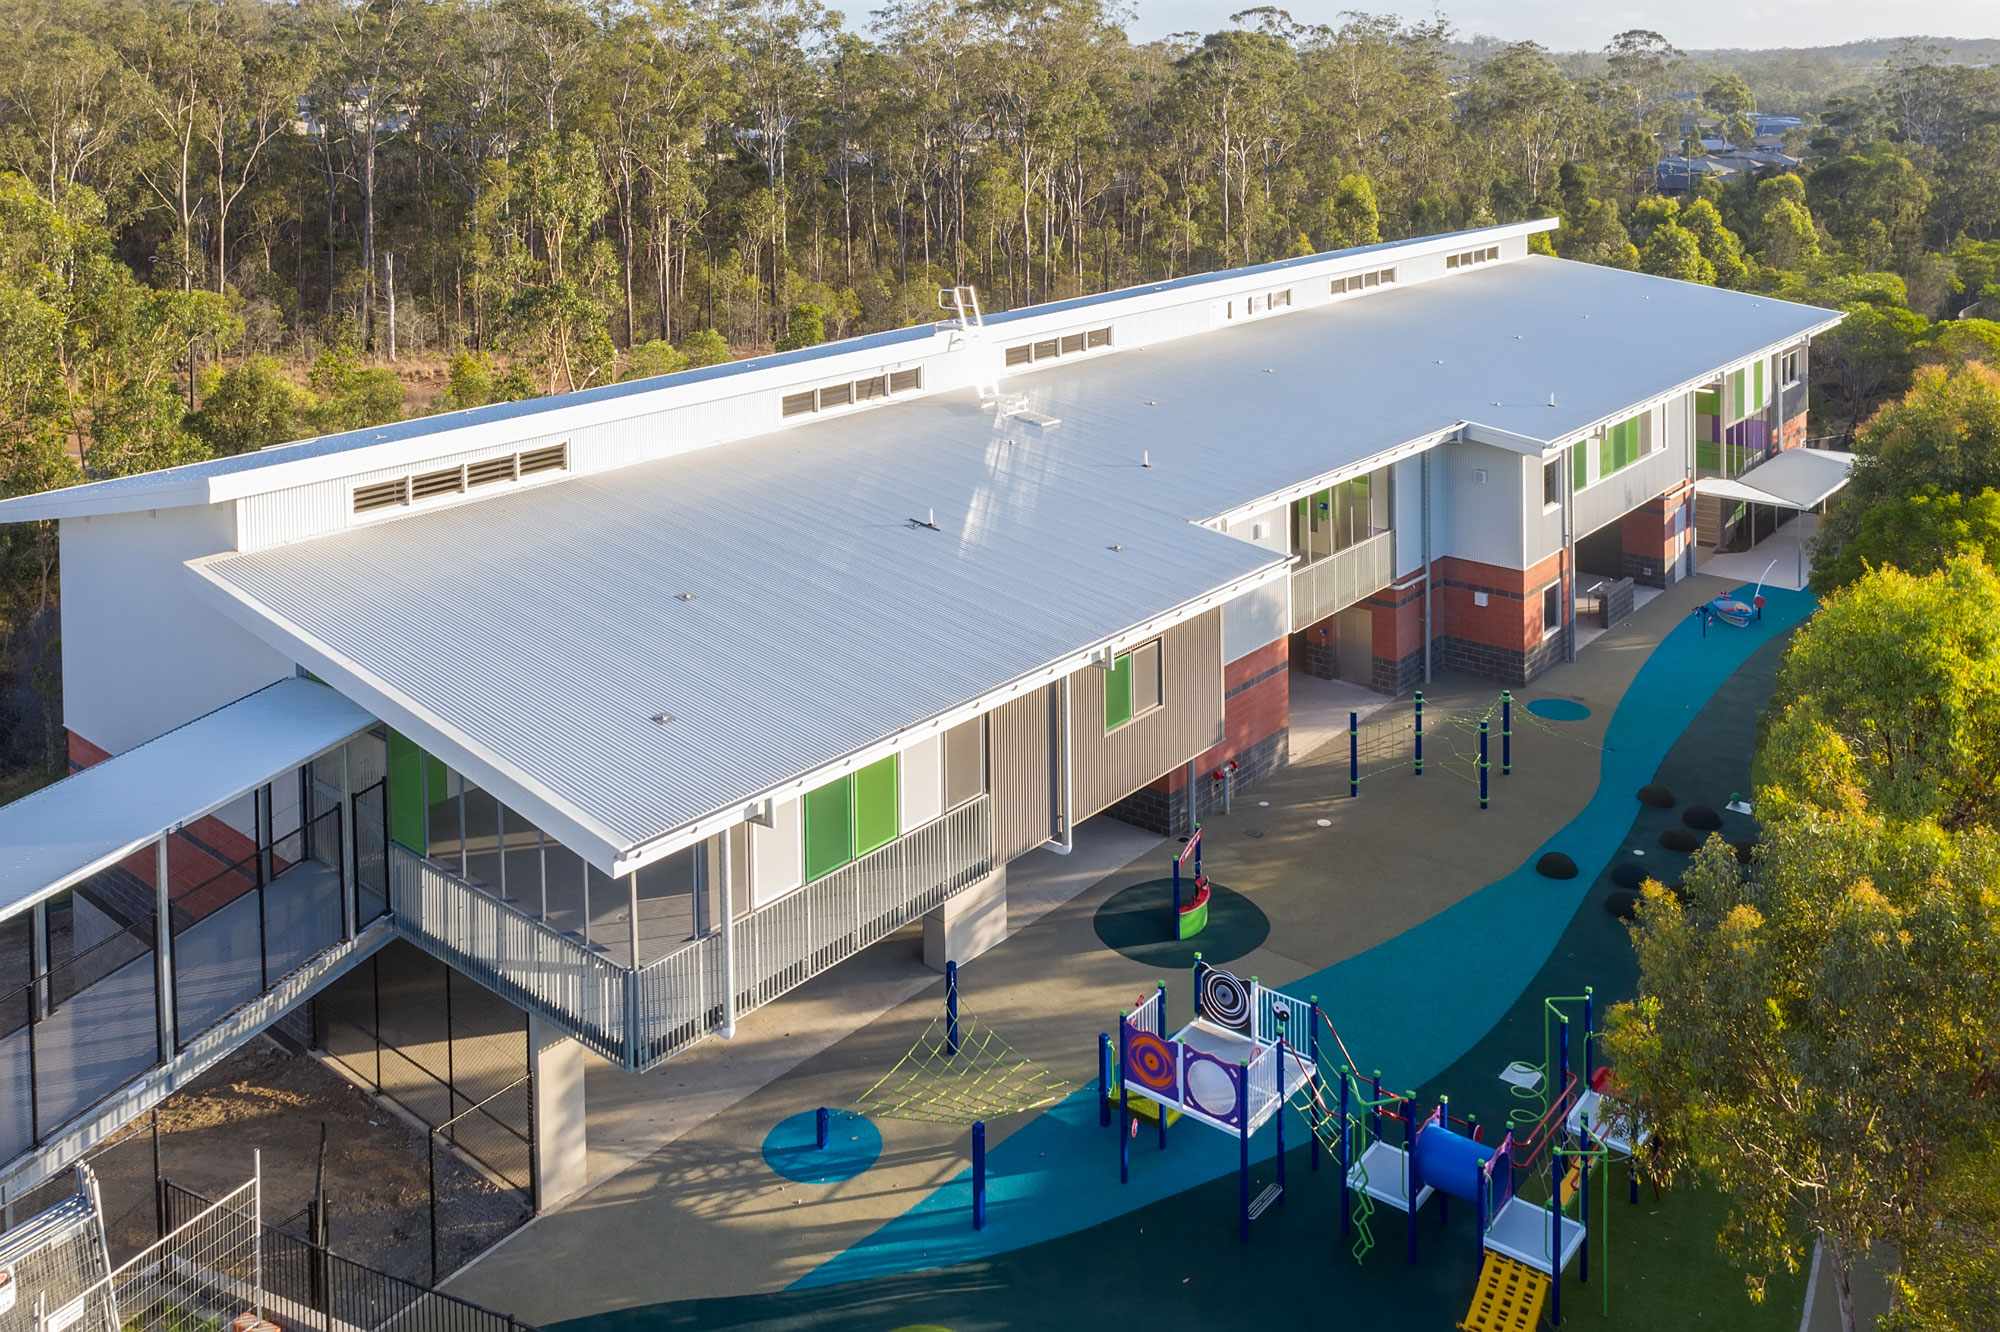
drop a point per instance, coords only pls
(1065, 799)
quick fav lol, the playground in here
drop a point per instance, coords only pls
(1387, 993)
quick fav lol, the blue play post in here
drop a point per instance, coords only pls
(1124, 1108)
(1177, 891)
(1103, 1079)
(1345, 1150)
(1375, 1110)
(1412, 1182)
(951, 1008)
(823, 1126)
(1162, 1032)
(1444, 1122)
(1561, 1075)
(1506, 733)
(1316, 1101)
(1353, 753)
(1420, 733)
(1482, 765)
(1589, 1030)
(1243, 1150)
(1556, 1239)
(1278, 1117)
(979, 1175)
(1197, 850)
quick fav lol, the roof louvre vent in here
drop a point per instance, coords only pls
(382, 495)
(444, 481)
(549, 458)
(490, 470)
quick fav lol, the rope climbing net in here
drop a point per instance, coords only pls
(961, 1071)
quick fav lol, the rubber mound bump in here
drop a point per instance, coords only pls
(1623, 903)
(1680, 839)
(1659, 797)
(1629, 874)
(1556, 865)
(1701, 818)
(1744, 850)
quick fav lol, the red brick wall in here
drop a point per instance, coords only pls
(1792, 433)
(1512, 615)
(1398, 621)
(1257, 704)
(82, 753)
(1648, 531)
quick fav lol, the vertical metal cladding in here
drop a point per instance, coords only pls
(1111, 766)
(1022, 756)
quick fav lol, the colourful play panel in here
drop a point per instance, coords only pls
(792, 1148)
(1139, 923)
(1558, 709)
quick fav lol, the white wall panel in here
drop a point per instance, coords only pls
(142, 652)
(778, 854)
(922, 771)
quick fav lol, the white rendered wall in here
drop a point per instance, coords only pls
(142, 653)
(1478, 519)
(1408, 489)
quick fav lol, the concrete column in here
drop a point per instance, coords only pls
(972, 921)
(562, 1165)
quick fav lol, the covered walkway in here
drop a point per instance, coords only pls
(1794, 484)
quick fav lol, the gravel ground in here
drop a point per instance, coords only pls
(265, 1099)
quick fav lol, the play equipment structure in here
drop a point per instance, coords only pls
(1250, 1050)
(1229, 1068)
(1734, 610)
(1191, 910)
(959, 1072)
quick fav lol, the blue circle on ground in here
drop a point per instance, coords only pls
(1559, 709)
(792, 1148)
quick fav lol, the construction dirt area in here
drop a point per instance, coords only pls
(266, 1101)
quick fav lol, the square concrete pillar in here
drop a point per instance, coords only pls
(562, 1165)
(970, 923)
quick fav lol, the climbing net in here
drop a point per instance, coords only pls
(961, 1071)
(1384, 745)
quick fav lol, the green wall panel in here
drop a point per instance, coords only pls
(406, 792)
(829, 832)
(1118, 693)
(876, 820)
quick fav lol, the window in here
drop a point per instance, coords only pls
(1340, 516)
(875, 805)
(1132, 687)
(1021, 355)
(836, 395)
(964, 762)
(1789, 367)
(797, 404)
(903, 381)
(1579, 460)
(1746, 391)
(1552, 482)
(1281, 299)
(1072, 342)
(1552, 607)
(1381, 277)
(1097, 337)
(829, 831)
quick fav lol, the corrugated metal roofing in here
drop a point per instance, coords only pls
(1795, 479)
(540, 632)
(94, 818)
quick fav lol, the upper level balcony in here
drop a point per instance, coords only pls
(1344, 540)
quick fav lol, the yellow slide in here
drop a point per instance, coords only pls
(1509, 1298)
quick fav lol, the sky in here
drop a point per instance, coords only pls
(1569, 25)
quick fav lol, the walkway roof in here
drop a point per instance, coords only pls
(1794, 479)
(93, 819)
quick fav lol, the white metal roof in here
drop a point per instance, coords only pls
(537, 634)
(92, 819)
(1794, 479)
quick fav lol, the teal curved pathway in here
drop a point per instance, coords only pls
(1410, 1006)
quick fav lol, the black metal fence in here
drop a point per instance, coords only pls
(308, 1286)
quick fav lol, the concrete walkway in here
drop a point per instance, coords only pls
(695, 1212)
(1783, 559)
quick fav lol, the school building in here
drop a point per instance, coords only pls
(612, 716)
